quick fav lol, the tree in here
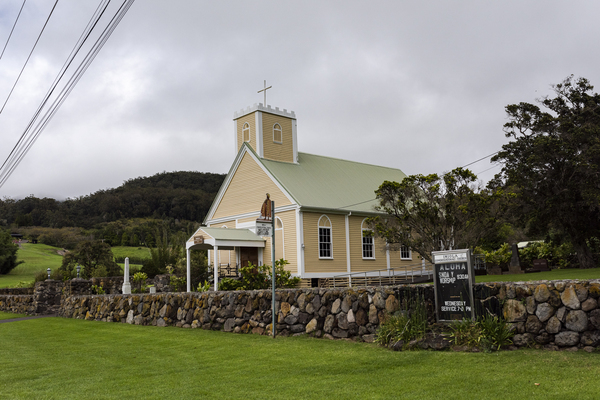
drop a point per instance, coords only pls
(554, 162)
(163, 255)
(93, 256)
(429, 213)
(8, 253)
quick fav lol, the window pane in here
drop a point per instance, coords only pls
(325, 242)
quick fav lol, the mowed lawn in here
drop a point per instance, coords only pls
(555, 274)
(40, 257)
(52, 358)
(36, 258)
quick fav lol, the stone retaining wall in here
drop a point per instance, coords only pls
(334, 313)
(554, 315)
(16, 291)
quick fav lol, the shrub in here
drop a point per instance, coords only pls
(489, 332)
(8, 253)
(203, 287)
(230, 284)
(139, 280)
(255, 277)
(404, 325)
(91, 255)
(177, 284)
(98, 289)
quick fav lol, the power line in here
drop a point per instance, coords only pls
(481, 159)
(29, 56)
(84, 36)
(13, 28)
(34, 133)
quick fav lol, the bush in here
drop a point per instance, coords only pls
(8, 253)
(488, 332)
(255, 277)
(91, 255)
(404, 325)
(230, 284)
(139, 280)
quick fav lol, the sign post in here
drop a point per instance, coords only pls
(273, 264)
(265, 227)
(453, 283)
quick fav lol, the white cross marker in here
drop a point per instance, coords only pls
(265, 90)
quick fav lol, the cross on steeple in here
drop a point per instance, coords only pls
(265, 90)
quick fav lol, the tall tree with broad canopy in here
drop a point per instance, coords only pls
(91, 255)
(554, 162)
(431, 212)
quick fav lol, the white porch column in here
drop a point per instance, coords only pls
(188, 253)
(216, 267)
(387, 255)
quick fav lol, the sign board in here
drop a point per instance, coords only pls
(264, 228)
(453, 282)
(199, 239)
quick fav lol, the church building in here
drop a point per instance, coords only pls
(321, 206)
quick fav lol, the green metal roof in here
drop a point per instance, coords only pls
(331, 183)
(231, 234)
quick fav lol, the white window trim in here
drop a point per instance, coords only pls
(280, 133)
(244, 131)
(409, 254)
(282, 237)
(362, 249)
(330, 227)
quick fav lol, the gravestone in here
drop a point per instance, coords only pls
(515, 263)
(540, 265)
(126, 285)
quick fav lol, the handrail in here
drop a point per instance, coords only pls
(416, 270)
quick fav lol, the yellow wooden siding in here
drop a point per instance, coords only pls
(359, 264)
(312, 263)
(251, 120)
(396, 262)
(247, 190)
(288, 219)
(283, 151)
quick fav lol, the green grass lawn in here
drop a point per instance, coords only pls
(39, 257)
(555, 274)
(36, 257)
(53, 358)
(125, 251)
(6, 315)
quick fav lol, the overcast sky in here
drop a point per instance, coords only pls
(419, 86)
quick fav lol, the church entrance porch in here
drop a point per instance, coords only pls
(243, 242)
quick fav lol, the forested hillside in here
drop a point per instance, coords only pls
(167, 195)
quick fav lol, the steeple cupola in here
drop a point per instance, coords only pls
(271, 132)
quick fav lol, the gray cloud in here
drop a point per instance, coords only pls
(412, 85)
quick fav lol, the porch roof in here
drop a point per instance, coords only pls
(225, 238)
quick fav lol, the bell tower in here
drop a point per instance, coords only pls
(271, 132)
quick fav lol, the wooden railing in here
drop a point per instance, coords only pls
(406, 274)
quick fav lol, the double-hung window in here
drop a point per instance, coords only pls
(325, 237)
(405, 253)
(367, 241)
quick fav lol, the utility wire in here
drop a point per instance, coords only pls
(34, 134)
(16, 159)
(13, 28)
(84, 36)
(481, 159)
(29, 56)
